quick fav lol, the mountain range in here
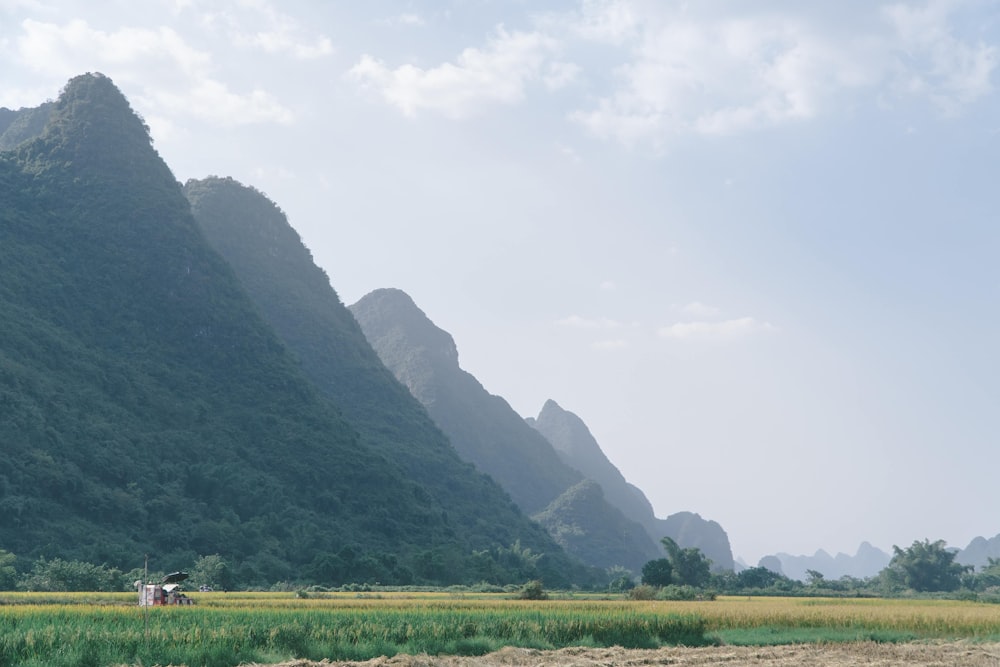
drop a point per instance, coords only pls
(178, 378)
(522, 454)
(868, 561)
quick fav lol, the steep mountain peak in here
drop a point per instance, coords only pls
(92, 127)
(391, 314)
(578, 448)
(569, 435)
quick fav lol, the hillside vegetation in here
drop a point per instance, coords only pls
(146, 407)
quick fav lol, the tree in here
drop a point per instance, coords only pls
(927, 566)
(988, 577)
(8, 574)
(815, 578)
(211, 572)
(62, 575)
(533, 590)
(757, 577)
(657, 572)
(619, 579)
(690, 566)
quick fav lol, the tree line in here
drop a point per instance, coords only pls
(925, 567)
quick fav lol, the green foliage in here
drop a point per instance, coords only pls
(758, 577)
(989, 576)
(8, 571)
(690, 566)
(584, 524)
(59, 575)
(926, 566)
(533, 590)
(815, 578)
(658, 572)
(643, 592)
(210, 572)
(620, 579)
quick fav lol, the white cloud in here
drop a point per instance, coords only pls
(257, 24)
(64, 49)
(496, 74)
(168, 75)
(949, 71)
(725, 330)
(693, 70)
(691, 74)
(577, 322)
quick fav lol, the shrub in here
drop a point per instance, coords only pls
(643, 592)
(533, 590)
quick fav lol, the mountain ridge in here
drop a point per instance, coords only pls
(490, 434)
(296, 298)
(576, 445)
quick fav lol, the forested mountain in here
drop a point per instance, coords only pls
(147, 407)
(578, 448)
(488, 432)
(296, 299)
(594, 530)
(18, 126)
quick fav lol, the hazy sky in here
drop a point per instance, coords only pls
(753, 245)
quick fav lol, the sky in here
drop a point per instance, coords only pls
(753, 245)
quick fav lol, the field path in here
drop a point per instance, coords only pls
(869, 654)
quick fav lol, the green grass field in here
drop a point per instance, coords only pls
(226, 629)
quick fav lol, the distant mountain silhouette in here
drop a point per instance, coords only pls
(866, 562)
(600, 522)
(578, 448)
(979, 551)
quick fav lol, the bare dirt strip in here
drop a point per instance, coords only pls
(834, 655)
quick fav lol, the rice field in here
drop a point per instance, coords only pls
(225, 629)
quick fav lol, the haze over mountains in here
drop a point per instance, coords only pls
(177, 377)
(487, 431)
(868, 561)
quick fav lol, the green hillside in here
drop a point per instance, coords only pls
(297, 300)
(587, 525)
(146, 407)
